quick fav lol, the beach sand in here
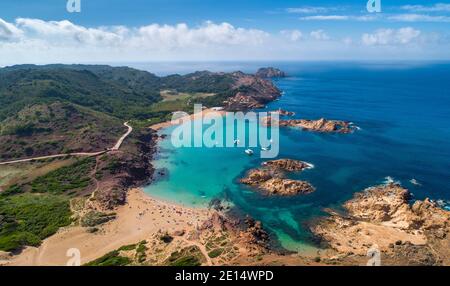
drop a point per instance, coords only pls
(166, 124)
(141, 217)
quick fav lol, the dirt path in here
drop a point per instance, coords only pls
(78, 154)
(121, 139)
(139, 219)
(53, 156)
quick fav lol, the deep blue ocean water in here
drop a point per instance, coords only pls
(403, 110)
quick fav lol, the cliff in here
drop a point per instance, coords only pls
(405, 234)
(270, 72)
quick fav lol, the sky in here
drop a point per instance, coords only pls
(222, 30)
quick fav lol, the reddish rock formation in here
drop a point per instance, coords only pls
(283, 112)
(271, 178)
(286, 187)
(382, 216)
(255, 234)
(320, 125)
(289, 165)
(270, 72)
(219, 222)
(258, 176)
(250, 92)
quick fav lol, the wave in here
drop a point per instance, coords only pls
(352, 125)
(310, 166)
(390, 180)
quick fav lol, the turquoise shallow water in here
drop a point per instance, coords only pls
(403, 113)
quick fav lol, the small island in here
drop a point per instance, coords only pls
(321, 125)
(283, 112)
(270, 178)
(270, 72)
(406, 234)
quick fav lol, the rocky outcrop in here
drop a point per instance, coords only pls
(219, 222)
(289, 165)
(320, 125)
(254, 234)
(270, 72)
(286, 187)
(255, 177)
(283, 112)
(250, 92)
(270, 178)
(130, 167)
(246, 233)
(110, 198)
(383, 216)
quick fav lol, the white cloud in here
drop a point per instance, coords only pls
(439, 7)
(325, 18)
(418, 18)
(62, 32)
(401, 36)
(307, 10)
(39, 41)
(8, 31)
(181, 36)
(151, 36)
(347, 41)
(34, 40)
(364, 18)
(292, 35)
(319, 35)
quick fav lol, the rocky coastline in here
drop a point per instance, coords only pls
(271, 178)
(321, 125)
(283, 112)
(250, 92)
(129, 168)
(270, 72)
(405, 232)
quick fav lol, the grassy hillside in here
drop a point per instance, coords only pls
(123, 97)
(26, 219)
(122, 92)
(94, 93)
(54, 128)
(56, 109)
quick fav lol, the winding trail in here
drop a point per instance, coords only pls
(121, 139)
(77, 154)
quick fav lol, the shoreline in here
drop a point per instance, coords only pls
(168, 123)
(140, 218)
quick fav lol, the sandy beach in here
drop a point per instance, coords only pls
(141, 217)
(169, 123)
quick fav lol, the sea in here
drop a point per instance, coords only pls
(402, 110)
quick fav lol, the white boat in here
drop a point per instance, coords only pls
(265, 149)
(249, 152)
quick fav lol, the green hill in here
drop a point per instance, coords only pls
(51, 109)
(122, 92)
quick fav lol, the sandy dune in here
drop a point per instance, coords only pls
(141, 217)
